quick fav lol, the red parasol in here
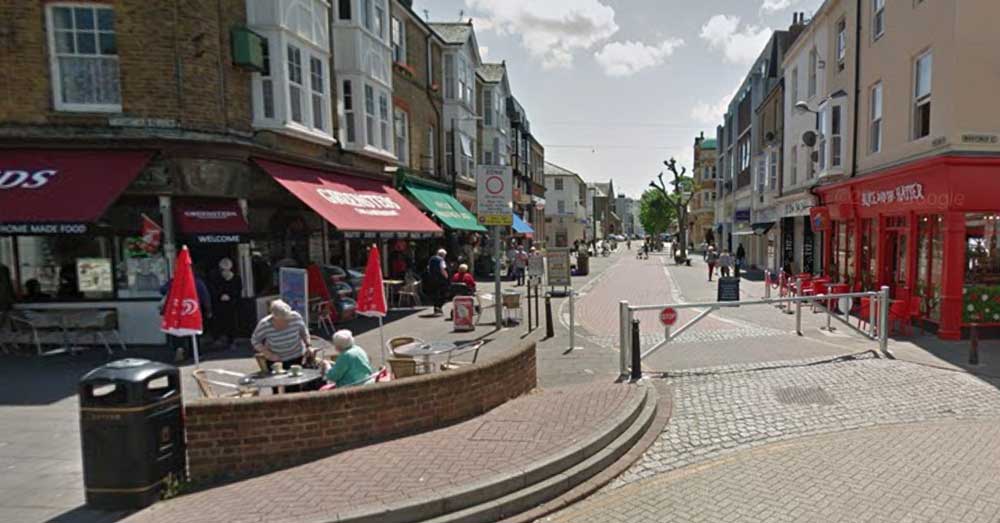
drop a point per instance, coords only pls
(371, 296)
(181, 310)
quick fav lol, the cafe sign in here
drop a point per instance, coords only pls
(911, 192)
(798, 207)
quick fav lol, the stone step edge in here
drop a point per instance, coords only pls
(527, 500)
(498, 486)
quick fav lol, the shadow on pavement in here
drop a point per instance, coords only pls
(82, 514)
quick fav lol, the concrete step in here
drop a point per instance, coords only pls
(524, 489)
(547, 490)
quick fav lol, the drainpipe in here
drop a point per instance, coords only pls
(438, 140)
(857, 86)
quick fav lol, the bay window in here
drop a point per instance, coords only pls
(449, 76)
(836, 140)
(383, 118)
(349, 125)
(83, 54)
(772, 179)
(370, 115)
(292, 93)
(488, 107)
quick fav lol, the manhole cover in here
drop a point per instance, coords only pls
(803, 396)
(506, 431)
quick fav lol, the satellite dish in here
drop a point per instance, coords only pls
(809, 138)
(814, 157)
(769, 137)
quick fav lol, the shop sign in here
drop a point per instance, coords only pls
(365, 204)
(559, 270)
(494, 195)
(819, 219)
(217, 238)
(44, 228)
(22, 179)
(798, 207)
(910, 192)
(742, 215)
(217, 215)
(980, 139)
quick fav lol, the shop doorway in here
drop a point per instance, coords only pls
(896, 262)
(205, 257)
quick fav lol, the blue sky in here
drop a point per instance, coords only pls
(614, 87)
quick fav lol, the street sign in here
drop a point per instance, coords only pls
(559, 270)
(494, 195)
(729, 289)
(668, 316)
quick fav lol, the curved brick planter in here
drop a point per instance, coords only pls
(238, 437)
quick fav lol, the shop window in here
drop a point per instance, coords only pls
(84, 58)
(64, 268)
(982, 270)
(929, 261)
(868, 260)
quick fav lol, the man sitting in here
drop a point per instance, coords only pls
(352, 366)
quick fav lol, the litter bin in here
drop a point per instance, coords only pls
(582, 264)
(132, 432)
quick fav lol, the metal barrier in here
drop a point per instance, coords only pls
(878, 319)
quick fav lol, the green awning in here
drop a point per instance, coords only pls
(445, 208)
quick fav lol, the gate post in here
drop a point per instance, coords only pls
(624, 337)
(883, 320)
(636, 352)
(872, 312)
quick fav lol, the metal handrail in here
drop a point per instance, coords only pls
(764, 301)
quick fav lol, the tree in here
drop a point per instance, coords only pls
(680, 197)
(656, 212)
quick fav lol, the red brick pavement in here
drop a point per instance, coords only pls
(641, 282)
(504, 441)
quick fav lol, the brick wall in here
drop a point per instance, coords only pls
(238, 437)
(174, 61)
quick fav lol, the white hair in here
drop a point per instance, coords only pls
(343, 339)
(442, 253)
(280, 309)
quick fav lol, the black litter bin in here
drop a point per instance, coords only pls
(132, 432)
(582, 264)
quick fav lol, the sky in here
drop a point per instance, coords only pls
(612, 88)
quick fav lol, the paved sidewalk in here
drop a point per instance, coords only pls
(500, 444)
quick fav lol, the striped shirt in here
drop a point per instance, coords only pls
(286, 343)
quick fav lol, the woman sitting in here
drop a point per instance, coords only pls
(464, 277)
(352, 366)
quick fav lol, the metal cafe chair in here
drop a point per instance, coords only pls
(233, 390)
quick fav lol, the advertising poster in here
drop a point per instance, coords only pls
(94, 275)
(293, 285)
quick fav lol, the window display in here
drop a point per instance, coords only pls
(50, 267)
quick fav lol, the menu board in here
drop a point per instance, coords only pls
(559, 269)
(94, 275)
(729, 289)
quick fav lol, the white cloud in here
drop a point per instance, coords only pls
(709, 113)
(551, 30)
(484, 52)
(738, 45)
(776, 5)
(628, 58)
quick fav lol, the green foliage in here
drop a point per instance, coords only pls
(174, 486)
(656, 212)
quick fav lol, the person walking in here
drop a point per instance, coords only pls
(437, 280)
(725, 263)
(741, 255)
(712, 258)
(520, 264)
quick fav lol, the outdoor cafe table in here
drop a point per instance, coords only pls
(263, 380)
(426, 350)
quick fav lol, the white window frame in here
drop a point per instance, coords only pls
(398, 39)
(450, 76)
(401, 134)
(55, 55)
(836, 137)
(430, 152)
(487, 102)
(370, 116)
(821, 142)
(875, 133)
(313, 78)
(878, 19)
(841, 41)
(922, 99)
(385, 121)
(794, 166)
(795, 85)
(772, 170)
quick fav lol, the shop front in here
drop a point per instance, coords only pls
(798, 242)
(928, 230)
(463, 233)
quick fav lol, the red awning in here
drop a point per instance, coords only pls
(350, 203)
(209, 217)
(63, 186)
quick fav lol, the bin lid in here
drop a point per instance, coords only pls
(128, 370)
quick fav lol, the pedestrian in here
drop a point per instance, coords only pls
(520, 265)
(511, 254)
(741, 255)
(436, 280)
(725, 263)
(226, 287)
(712, 259)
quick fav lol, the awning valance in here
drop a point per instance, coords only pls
(522, 227)
(42, 188)
(351, 203)
(445, 208)
(211, 221)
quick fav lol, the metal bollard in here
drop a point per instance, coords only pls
(872, 311)
(883, 321)
(550, 328)
(636, 352)
(625, 336)
(974, 345)
(798, 308)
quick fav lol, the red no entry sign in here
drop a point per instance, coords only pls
(668, 316)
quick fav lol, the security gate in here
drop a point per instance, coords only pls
(631, 353)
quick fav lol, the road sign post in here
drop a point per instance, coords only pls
(495, 208)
